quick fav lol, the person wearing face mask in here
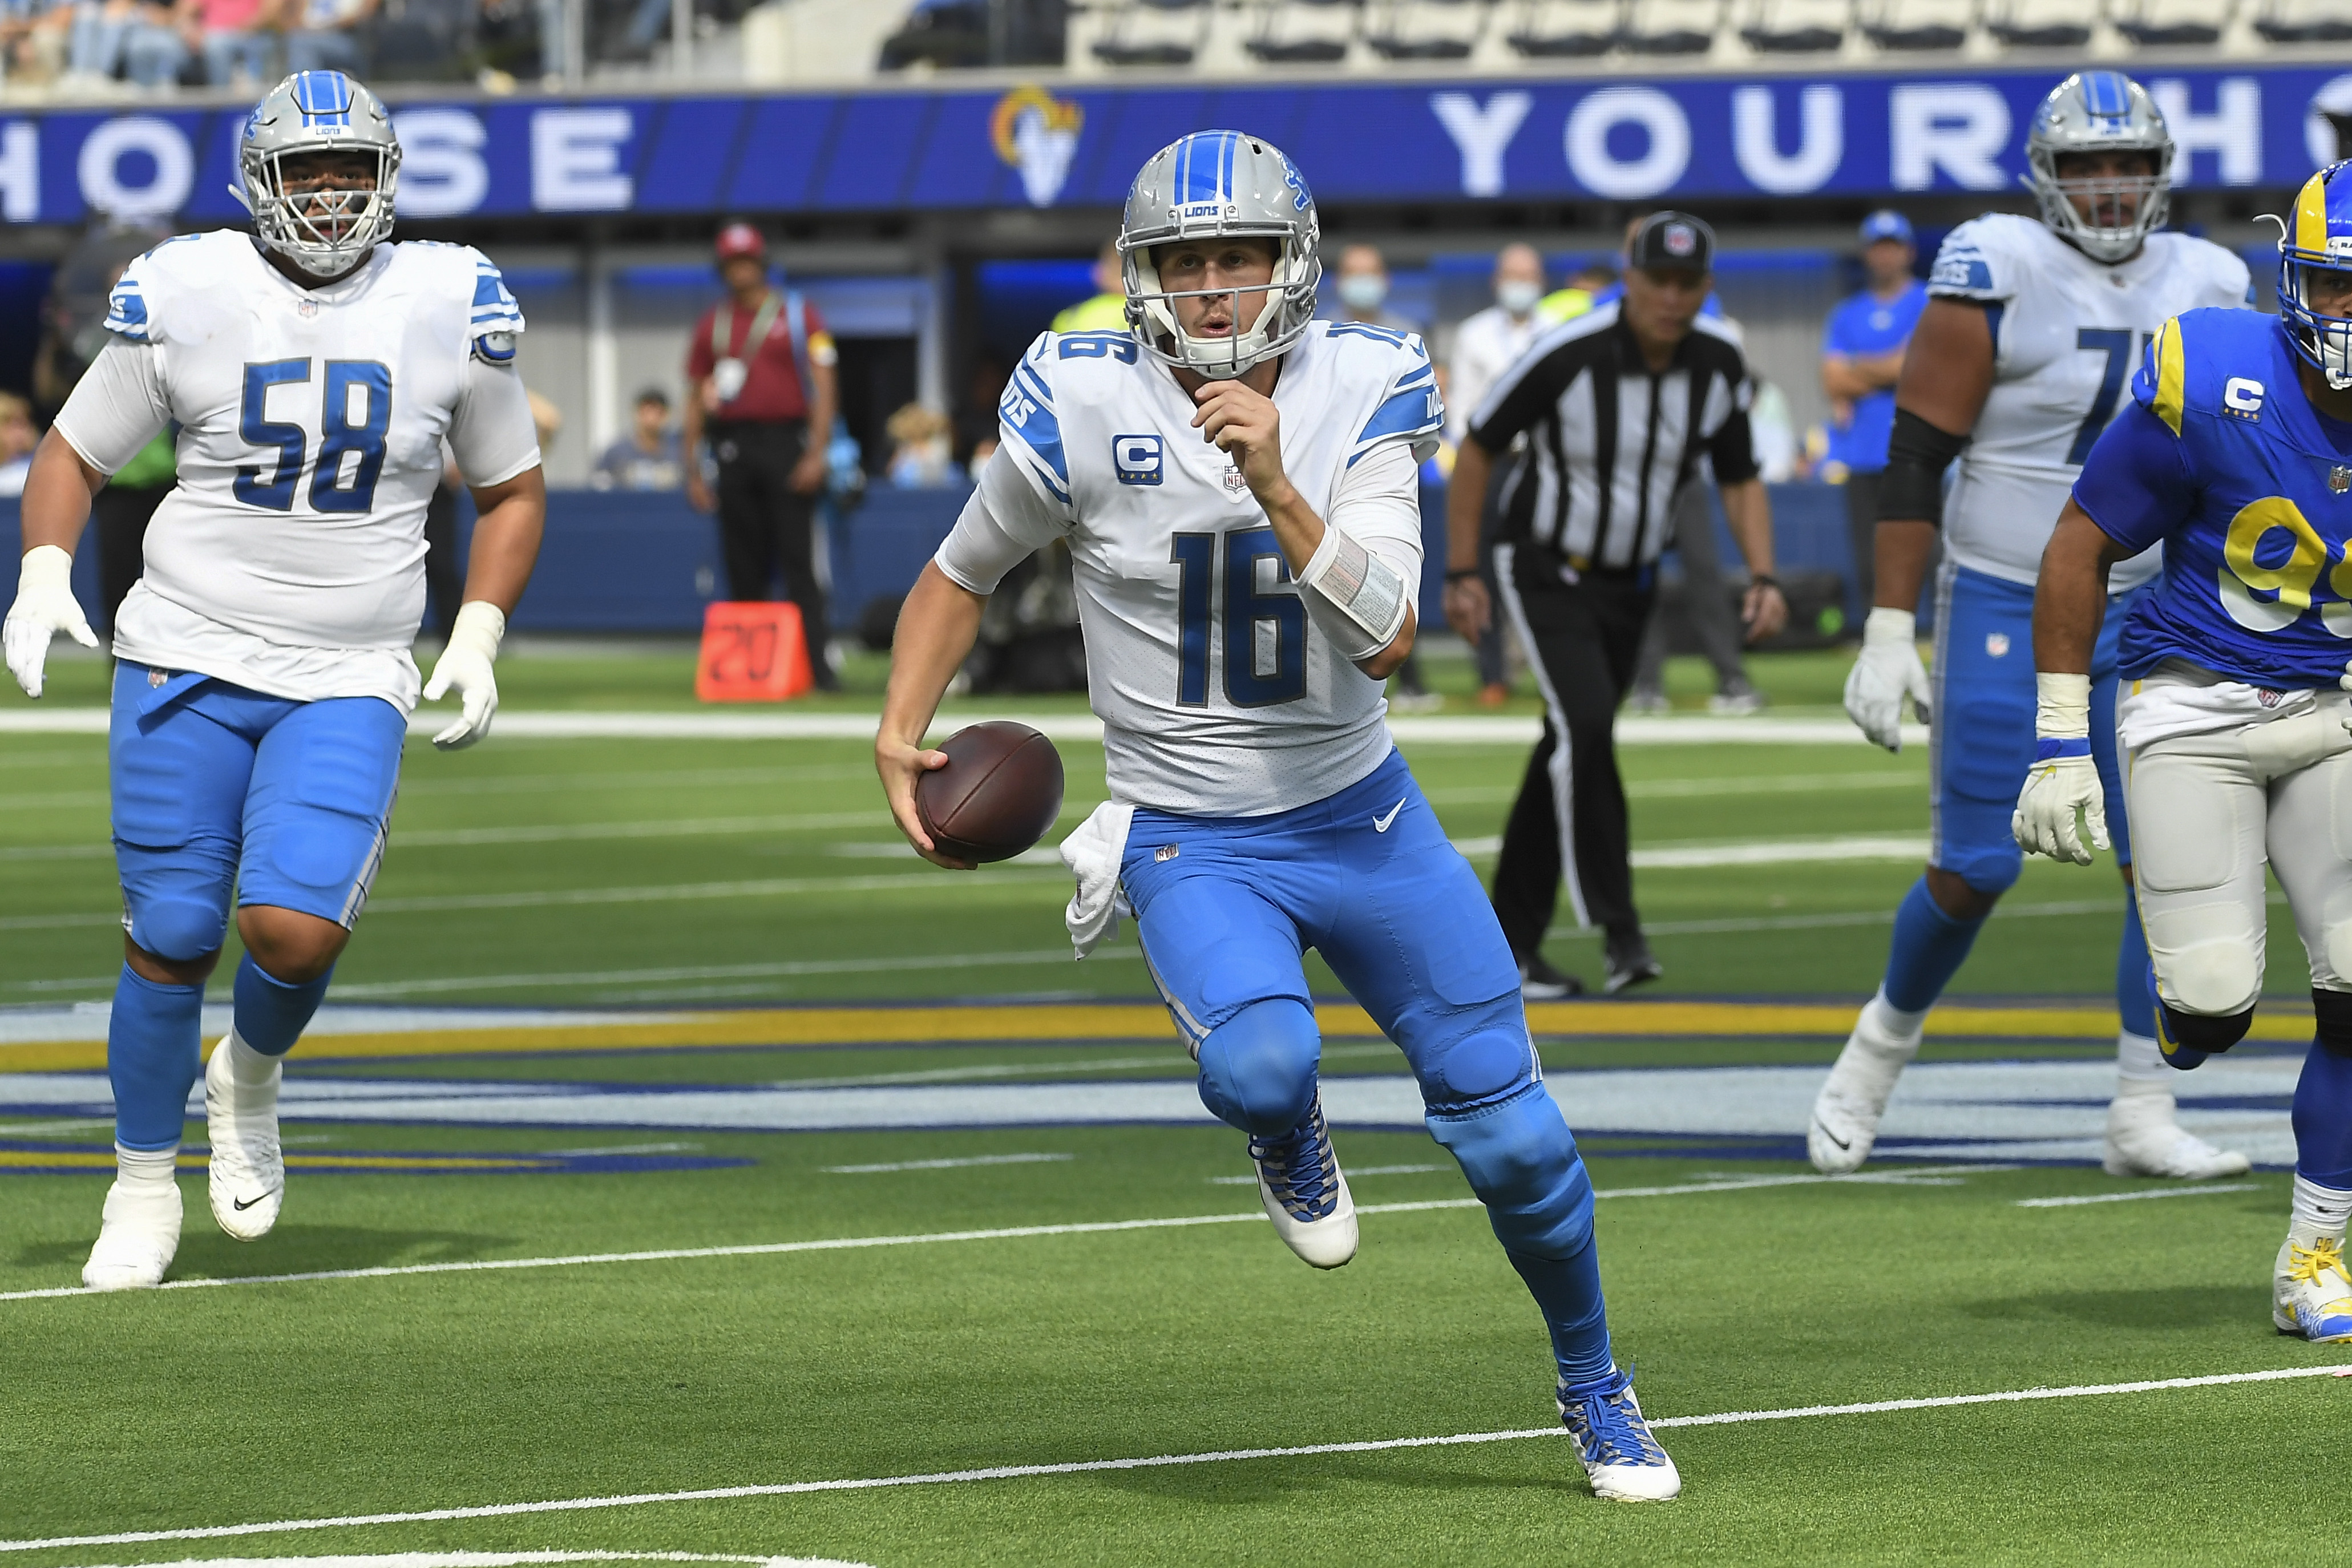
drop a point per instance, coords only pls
(1363, 289)
(1484, 346)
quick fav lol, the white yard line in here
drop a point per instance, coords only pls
(1007, 1232)
(947, 1164)
(1161, 1461)
(1750, 852)
(2195, 1192)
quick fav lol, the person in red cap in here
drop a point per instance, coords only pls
(760, 371)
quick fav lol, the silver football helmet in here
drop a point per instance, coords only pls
(2100, 111)
(1220, 185)
(326, 233)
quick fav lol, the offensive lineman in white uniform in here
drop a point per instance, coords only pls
(263, 681)
(2030, 332)
(1236, 483)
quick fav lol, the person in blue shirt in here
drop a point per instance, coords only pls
(1861, 359)
(2235, 455)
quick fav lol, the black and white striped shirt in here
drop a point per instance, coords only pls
(1609, 444)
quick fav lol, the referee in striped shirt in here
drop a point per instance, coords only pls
(1618, 405)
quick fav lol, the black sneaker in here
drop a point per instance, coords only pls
(1539, 981)
(1629, 962)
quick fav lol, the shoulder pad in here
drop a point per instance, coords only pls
(1410, 408)
(494, 309)
(1977, 260)
(2204, 360)
(1028, 424)
(132, 307)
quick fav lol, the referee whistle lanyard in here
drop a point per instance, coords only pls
(730, 372)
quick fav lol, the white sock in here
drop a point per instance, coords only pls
(146, 1166)
(1890, 1022)
(2319, 1211)
(2139, 1066)
(248, 1067)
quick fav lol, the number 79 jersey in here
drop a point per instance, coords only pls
(2067, 331)
(1219, 695)
(290, 557)
(2221, 457)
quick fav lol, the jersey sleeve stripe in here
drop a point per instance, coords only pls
(126, 313)
(2171, 376)
(1032, 383)
(1410, 414)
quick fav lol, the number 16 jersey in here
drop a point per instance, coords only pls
(1220, 695)
(289, 558)
(2067, 333)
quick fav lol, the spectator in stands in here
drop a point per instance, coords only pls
(1484, 346)
(921, 456)
(1861, 359)
(1106, 311)
(760, 370)
(328, 35)
(1362, 283)
(35, 35)
(17, 440)
(651, 457)
(139, 38)
(234, 36)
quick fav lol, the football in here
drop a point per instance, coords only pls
(1000, 792)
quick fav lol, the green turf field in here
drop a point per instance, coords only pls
(672, 874)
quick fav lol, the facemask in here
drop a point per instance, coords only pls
(1363, 290)
(1518, 296)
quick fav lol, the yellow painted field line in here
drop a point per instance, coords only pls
(816, 1027)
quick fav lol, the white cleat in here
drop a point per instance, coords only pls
(2310, 1293)
(137, 1237)
(2144, 1138)
(1620, 1458)
(246, 1178)
(1846, 1112)
(1306, 1194)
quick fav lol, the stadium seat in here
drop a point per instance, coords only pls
(1428, 30)
(2305, 21)
(1305, 32)
(1562, 30)
(2155, 23)
(2030, 25)
(1153, 32)
(1796, 27)
(1671, 27)
(948, 33)
(1919, 24)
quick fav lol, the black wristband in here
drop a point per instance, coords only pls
(1766, 580)
(1461, 572)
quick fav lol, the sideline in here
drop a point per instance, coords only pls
(1229, 1456)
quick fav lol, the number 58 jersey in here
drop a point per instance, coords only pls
(2222, 459)
(2066, 332)
(1219, 694)
(291, 556)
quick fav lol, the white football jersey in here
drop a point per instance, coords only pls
(1219, 695)
(291, 556)
(2068, 332)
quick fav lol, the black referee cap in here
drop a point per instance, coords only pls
(1672, 239)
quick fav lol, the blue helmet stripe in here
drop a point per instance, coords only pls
(323, 97)
(1204, 166)
(1227, 142)
(2105, 93)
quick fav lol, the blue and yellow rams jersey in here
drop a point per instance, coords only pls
(2224, 461)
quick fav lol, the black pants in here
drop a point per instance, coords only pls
(121, 518)
(1862, 536)
(1583, 639)
(444, 574)
(765, 525)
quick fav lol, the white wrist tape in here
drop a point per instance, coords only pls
(45, 568)
(2062, 708)
(1884, 626)
(481, 627)
(1364, 589)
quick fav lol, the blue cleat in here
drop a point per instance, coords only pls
(1305, 1192)
(2310, 1293)
(1623, 1462)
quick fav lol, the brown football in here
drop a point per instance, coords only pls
(1000, 792)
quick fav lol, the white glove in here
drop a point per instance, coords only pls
(1093, 852)
(2064, 780)
(2347, 684)
(45, 607)
(465, 664)
(1887, 671)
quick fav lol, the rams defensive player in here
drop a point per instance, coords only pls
(2235, 453)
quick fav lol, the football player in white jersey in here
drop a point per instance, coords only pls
(262, 679)
(1237, 485)
(2030, 332)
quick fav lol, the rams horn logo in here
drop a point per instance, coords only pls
(1037, 134)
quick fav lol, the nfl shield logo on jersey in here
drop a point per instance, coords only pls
(1237, 487)
(2339, 479)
